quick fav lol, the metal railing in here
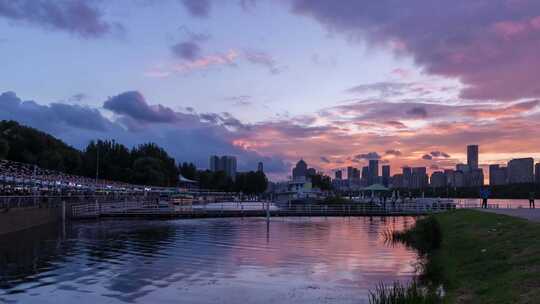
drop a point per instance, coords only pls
(152, 208)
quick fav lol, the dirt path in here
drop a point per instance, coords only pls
(529, 214)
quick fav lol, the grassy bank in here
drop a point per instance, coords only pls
(487, 258)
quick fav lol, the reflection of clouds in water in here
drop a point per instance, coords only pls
(298, 260)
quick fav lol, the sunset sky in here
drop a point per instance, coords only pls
(333, 82)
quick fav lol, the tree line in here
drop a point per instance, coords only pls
(146, 164)
(252, 182)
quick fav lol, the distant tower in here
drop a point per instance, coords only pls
(339, 175)
(300, 170)
(260, 167)
(373, 171)
(386, 175)
(215, 164)
(472, 157)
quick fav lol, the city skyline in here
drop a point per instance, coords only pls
(221, 77)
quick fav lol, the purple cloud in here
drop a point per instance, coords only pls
(439, 154)
(325, 159)
(262, 59)
(368, 156)
(134, 105)
(78, 17)
(188, 50)
(393, 152)
(198, 8)
(490, 45)
(187, 139)
(418, 112)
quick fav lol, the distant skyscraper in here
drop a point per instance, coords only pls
(215, 163)
(438, 179)
(462, 167)
(475, 178)
(339, 175)
(407, 177)
(449, 176)
(397, 181)
(300, 170)
(386, 175)
(537, 173)
(497, 175)
(228, 164)
(521, 170)
(350, 171)
(459, 179)
(260, 167)
(365, 176)
(419, 178)
(472, 157)
(373, 171)
(224, 163)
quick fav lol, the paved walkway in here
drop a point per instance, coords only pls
(526, 213)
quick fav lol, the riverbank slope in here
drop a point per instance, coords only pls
(488, 258)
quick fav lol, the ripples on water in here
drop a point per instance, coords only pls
(296, 260)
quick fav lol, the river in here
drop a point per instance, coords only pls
(292, 260)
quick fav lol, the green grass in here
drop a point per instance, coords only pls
(487, 258)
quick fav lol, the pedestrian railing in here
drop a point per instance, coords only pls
(152, 208)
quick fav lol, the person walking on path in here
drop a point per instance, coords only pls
(531, 200)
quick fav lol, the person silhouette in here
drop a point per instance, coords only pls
(484, 193)
(531, 200)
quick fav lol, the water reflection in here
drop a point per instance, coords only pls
(292, 260)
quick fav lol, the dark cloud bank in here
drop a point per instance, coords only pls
(186, 136)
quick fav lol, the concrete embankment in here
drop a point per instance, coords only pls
(17, 219)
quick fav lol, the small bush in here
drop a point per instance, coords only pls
(425, 236)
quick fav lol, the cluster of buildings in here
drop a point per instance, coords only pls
(224, 163)
(521, 170)
(227, 164)
(517, 171)
(464, 175)
(367, 176)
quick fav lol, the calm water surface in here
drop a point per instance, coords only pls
(293, 260)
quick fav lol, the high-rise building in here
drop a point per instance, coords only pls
(521, 170)
(364, 180)
(419, 178)
(224, 163)
(459, 179)
(350, 171)
(463, 168)
(397, 181)
(475, 178)
(215, 163)
(386, 175)
(438, 179)
(339, 175)
(260, 167)
(373, 171)
(472, 157)
(449, 176)
(407, 177)
(300, 170)
(229, 166)
(537, 173)
(497, 175)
